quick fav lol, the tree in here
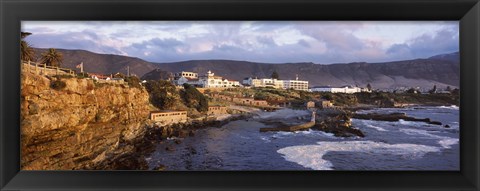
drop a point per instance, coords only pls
(52, 58)
(433, 90)
(412, 91)
(162, 93)
(133, 81)
(26, 51)
(274, 75)
(193, 98)
(369, 87)
(448, 89)
(328, 97)
(456, 91)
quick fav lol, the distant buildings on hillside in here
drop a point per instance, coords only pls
(209, 80)
(342, 89)
(275, 83)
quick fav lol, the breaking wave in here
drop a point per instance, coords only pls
(311, 156)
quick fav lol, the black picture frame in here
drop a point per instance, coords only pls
(14, 11)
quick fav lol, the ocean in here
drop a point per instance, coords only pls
(402, 145)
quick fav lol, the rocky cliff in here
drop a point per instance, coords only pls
(79, 126)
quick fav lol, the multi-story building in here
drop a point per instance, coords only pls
(181, 78)
(192, 75)
(296, 84)
(342, 89)
(278, 84)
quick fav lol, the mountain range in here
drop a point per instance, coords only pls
(440, 70)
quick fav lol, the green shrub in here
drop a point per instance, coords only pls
(162, 94)
(133, 81)
(57, 85)
(193, 98)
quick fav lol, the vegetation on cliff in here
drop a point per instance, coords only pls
(26, 51)
(193, 98)
(164, 95)
(382, 99)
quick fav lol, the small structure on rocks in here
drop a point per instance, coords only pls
(216, 110)
(325, 104)
(168, 116)
(310, 104)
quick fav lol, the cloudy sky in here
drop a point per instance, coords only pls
(322, 42)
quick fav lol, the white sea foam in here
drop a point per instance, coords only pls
(311, 156)
(265, 139)
(445, 142)
(375, 127)
(450, 107)
(411, 123)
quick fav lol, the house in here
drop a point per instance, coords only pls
(181, 78)
(168, 116)
(310, 104)
(192, 75)
(209, 80)
(217, 110)
(325, 104)
(343, 89)
(99, 76)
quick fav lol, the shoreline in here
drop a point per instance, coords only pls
(338, 123)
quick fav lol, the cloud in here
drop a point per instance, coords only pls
(261, 41)
(85, 40)
(445, 40)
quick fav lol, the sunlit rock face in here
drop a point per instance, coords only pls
(79, 126)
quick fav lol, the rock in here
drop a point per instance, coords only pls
(160, 167)
(447, 126)
(393, 117)
(178, 141)
(170, 148)
(191, 133)
(183, 133)
(435, 123)
(339, 125)
(81, 126)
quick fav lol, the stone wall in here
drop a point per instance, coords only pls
(80, 125)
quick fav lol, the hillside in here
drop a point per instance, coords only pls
(102, 63)
(411, 73)
(441, 70)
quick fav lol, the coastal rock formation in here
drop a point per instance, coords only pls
(340, 125)
(393, 117)
(80, 125)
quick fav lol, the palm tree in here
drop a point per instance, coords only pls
(52, 57)
(26, 51)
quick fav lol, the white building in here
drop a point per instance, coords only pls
(211, 81)
(278, 84)
(295, 84)
(192, 75)
(343, 89)
(192, 81)
(185, 77)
